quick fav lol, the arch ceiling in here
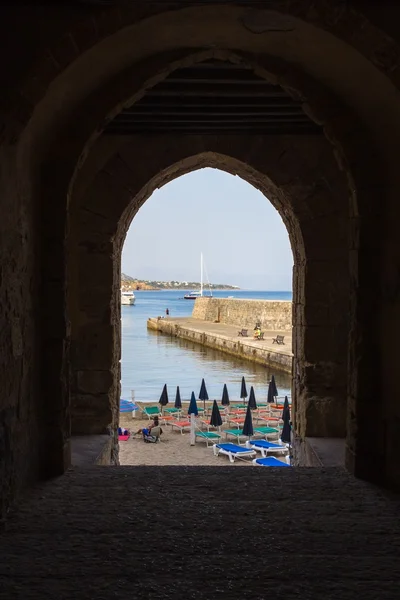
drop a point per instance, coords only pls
(214, 97)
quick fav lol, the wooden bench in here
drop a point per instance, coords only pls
(278, 339)
(243, 333)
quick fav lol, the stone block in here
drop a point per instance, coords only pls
(325, 416)
(97, 347)
(64, 51)
(274, 316)
(94, 381)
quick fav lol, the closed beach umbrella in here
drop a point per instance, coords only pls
(164, 396)
(193, 412)
(285, 435)
(285, 408)
(225, 396)
(252, 399)
(203, 393)
(243, 390)
(274, 388)
(270, 397)
(248, 423)
(193, 406)
(178, 401)
(215, 420)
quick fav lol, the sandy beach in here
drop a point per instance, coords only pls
(173, 449)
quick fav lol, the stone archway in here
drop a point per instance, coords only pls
(301, 179)
(62, 107)
(299, 82)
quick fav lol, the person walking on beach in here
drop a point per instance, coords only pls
(167, 312)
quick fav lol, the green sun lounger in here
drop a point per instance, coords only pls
(151, 411)
(265, 430)
(237, 433)
(208, 436)
(172, 411)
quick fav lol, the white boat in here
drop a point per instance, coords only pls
(128, 298)
(197, 293)
(192, 295)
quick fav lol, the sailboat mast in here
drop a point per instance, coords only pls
(201, 273)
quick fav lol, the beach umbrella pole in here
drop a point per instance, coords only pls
(192, 429)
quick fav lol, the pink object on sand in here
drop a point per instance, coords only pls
(124, 438)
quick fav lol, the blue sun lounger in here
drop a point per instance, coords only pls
(267, 447)
(232, 451)
(271, 461)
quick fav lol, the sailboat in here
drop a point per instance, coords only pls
(197, 293)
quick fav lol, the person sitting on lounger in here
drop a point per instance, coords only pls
(154, 431)
(122, 431)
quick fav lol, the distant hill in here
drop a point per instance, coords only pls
(128, 282)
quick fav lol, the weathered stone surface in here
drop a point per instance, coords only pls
(225, 338)
(274, 316)
(74, 69)
(330, 536)
(95, 382)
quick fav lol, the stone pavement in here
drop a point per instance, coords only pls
(231, 331)
(202, 533)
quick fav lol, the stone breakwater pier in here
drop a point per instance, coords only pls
(215, 323)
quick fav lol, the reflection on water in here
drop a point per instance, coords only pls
(150, 359)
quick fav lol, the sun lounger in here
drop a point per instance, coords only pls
(236, 433)
(279, 405)
(151, 411)
(150, 439)
(172, 411)
(267, 448)
(209, 436)
(181, 425)
(238, 422)
(206, 424)
(269, 419)
(233, 451)
(167, 419)
(267, 431)
(271, 461)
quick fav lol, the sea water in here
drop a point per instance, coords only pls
(151, 359)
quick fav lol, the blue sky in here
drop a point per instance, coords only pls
(242, 237)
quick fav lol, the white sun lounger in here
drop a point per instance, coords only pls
(233, 451)
(267, 448)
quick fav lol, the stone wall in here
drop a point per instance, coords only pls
(273, 315)
(242, 348)
(344, 355)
